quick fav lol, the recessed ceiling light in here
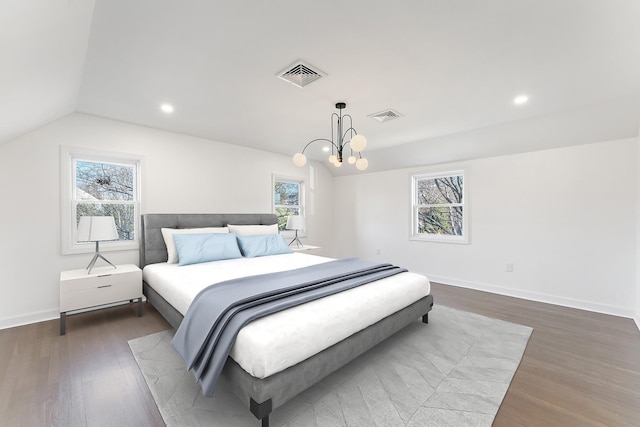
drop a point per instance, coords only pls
(325, 149)
(167, 108)
(520, 99)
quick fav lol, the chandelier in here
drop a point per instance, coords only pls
(357, 143)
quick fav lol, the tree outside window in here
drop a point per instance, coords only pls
(99, 183)
(438, 207)
(287, 199)
(106, 189)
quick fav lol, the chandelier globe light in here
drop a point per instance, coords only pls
(299, 159)
(340, 138)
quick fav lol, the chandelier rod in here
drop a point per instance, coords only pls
(319, 139)
(340, 134)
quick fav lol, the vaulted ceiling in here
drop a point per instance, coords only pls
(450, 68)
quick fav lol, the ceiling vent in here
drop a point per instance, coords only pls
(301, 74)
(385, 116)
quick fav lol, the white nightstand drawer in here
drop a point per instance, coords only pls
(103, 286)
(102, 292)
(303, 248)
(103, 280)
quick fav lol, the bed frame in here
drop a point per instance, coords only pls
(265, 395)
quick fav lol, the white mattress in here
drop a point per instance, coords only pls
(275, 342)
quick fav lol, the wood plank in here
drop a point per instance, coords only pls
(580, 368)
(87, 377)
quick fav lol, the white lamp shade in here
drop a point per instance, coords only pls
(295, 222)
(96, 229)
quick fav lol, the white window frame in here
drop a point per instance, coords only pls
(294, 180)
(445, 238)
(68, 227)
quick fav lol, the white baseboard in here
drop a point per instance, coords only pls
(12, 322)
(539, 297)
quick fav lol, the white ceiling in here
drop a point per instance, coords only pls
(42, 53)
(451, 68)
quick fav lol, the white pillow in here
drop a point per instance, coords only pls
(253, 230)
(167, 234)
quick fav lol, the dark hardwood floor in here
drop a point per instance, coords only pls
(87, 377)
(579, 369)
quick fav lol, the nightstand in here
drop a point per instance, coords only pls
(104, 285)
(303, 248)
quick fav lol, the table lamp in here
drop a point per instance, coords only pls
(97, 229)
(295, 222)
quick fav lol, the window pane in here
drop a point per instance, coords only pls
(441, 190)
(444, 220)
(283, 215)
(104, 181)
(123, 214)
(287, 193)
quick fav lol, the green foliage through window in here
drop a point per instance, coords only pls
(287, 198)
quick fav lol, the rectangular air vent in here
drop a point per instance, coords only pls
(301, 74)
(385, 116)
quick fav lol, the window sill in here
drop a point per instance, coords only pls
(89, 248)
(462, 240)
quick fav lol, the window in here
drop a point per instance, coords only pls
(438, 211)
(288, 199)
(100, 184)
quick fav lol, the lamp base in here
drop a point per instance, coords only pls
(295, 239)
(95, 258)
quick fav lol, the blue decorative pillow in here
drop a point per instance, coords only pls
(196, 248)
(262, 245)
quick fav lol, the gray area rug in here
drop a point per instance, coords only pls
(454, 371)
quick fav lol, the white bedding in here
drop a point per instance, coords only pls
(275, 342)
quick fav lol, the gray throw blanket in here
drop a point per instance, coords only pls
(216, 315)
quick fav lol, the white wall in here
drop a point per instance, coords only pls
(637, 314)
(562, 240)
(179, 174)
(566, 218)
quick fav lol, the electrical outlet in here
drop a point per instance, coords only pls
(508, 267)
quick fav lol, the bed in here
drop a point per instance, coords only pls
(263, 384)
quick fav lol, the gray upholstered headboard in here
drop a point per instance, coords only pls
(152, 247)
